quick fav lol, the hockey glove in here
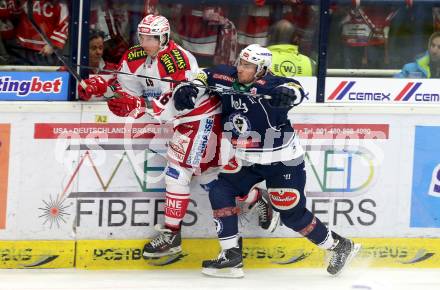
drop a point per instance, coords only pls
(285, 96)
(124, 105)
(96, 86)
(184, 96)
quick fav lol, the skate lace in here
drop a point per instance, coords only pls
(262, 210)
(160, 240)
(337, 258)
(221, 257)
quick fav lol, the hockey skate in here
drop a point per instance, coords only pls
(166, 243)
(229, 264)
(341, 254)
(268, 219)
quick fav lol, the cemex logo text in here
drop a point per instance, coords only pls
(410, 90)
(343, 90)
(25, 87)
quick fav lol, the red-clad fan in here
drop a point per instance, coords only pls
(253, 27)
(53, 18)
(8, 11)
(207, 33)
(365, 31)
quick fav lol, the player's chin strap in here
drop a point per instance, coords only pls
(30, 16)
(168, 80)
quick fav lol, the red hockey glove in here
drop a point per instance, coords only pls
(127, 105)
(260, 2)
(96, 86)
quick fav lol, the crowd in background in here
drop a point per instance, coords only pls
(362, 35)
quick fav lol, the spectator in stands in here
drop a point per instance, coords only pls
(305, 18)
(113, 18)
(365, 34)
(255, 21)
(96, 51)
(53, 19)
(8, 15)
(286, 59)
(426, 66)
(207, 32)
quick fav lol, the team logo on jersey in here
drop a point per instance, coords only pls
(178, 147)
(137, 53)
(168, 63)
(240, 124)
(178, 57)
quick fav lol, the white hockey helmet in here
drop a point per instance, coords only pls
(258, 55)
(156, 25)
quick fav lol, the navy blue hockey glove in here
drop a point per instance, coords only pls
(283, 97)
(185, 96)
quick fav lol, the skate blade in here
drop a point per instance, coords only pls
(356, 249)
(275, 222)
(165, 260)
(172, 251)
(224, 273)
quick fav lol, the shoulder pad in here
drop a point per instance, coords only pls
(226, 72)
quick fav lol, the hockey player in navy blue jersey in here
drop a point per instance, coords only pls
(257, 125)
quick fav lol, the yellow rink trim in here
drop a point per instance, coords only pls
(257, 252)
(261, 253)
(37, 254)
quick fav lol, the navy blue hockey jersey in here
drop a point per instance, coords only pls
(259, 132)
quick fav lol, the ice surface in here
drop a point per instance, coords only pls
(291, 279)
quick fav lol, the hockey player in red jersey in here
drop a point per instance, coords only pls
(193, 146)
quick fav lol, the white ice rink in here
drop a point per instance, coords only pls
(289, 279)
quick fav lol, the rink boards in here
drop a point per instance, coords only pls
(80, 187)
(257, 252)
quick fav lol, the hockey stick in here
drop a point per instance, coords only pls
(30, 16)
(216, 89)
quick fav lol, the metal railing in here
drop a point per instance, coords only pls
(361, 72)
(29, 68)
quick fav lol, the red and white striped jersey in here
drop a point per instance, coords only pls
(253, 27)
(173, 63)
(369, 25)
(198, 35)
(207, 32)
(51, 16)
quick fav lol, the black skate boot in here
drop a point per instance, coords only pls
(341, 253)
(229, 264)
(268, 219)
(165, 243)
